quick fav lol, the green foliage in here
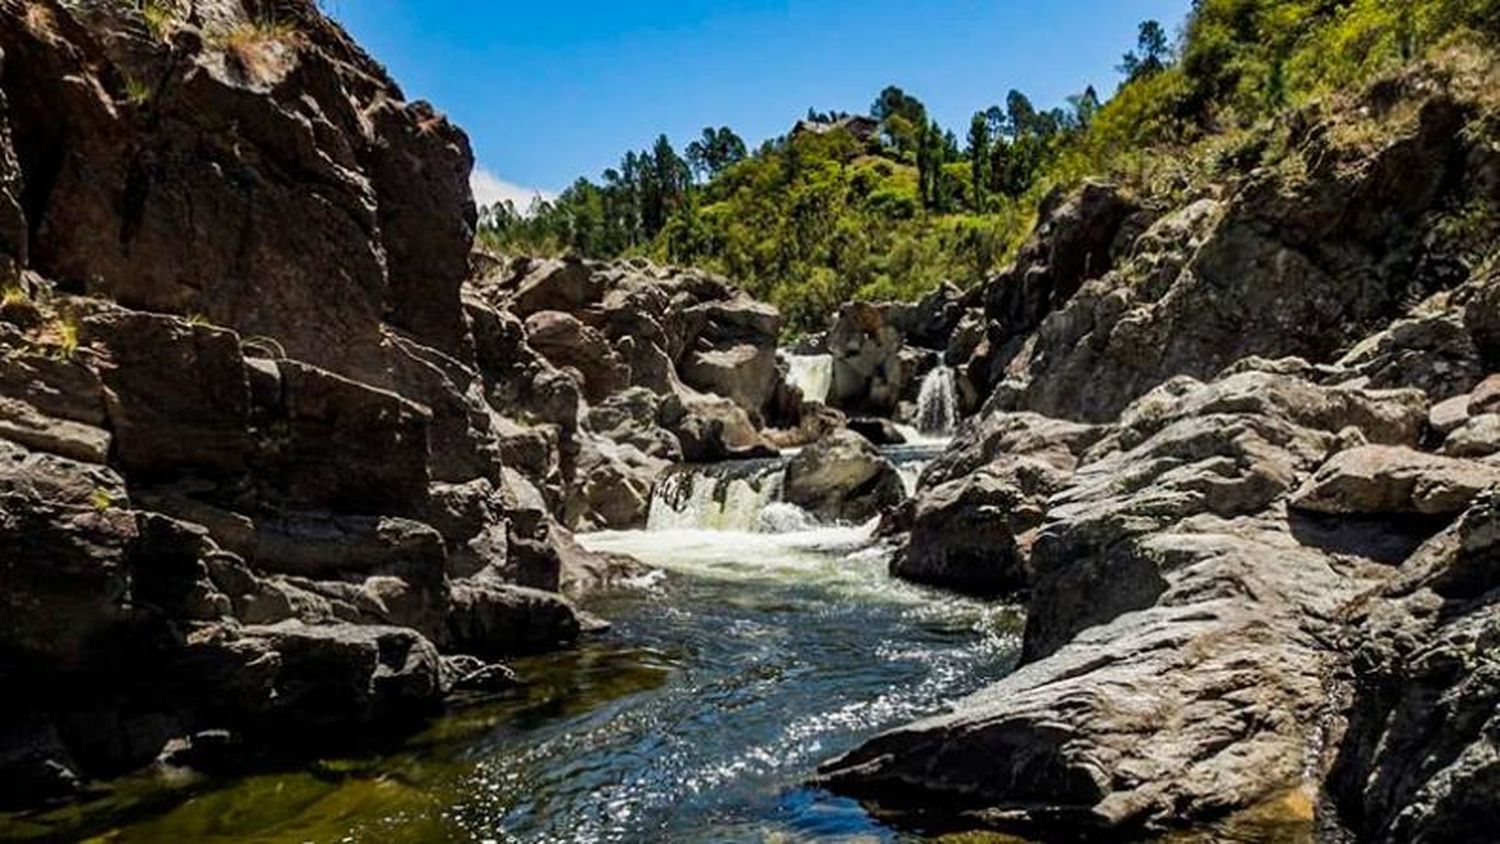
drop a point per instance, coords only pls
(819, 217)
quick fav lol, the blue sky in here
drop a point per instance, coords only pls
(549, 91)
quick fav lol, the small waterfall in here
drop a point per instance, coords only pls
(730, 496)
(812, 374)
(937, 403)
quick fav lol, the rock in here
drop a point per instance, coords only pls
(1074, 242)
(563, 285)
(1449, 414)
(64, 579)
(471, 675)
(877, 430)
(712, 429)
(1386, 479)
(176, 394)
(631, 418)
(39, 476)
(1432, 353)
(613, 486)
(1167, 578)
(974, 534)
(570, 345)
(316, 681)
(490, 620)
(842, 477)
(1485, 398)
(35, 764)
(729, 348)
(1478, 436)
(1417, 761)
(325, 433)
(1282, 268)
(362, 206)
(929, 322)
(867, 371)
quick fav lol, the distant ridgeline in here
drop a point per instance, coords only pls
(890, 204)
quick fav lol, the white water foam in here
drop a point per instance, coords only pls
(812, 374)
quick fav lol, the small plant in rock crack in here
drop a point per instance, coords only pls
(160, 18)
(137, 91)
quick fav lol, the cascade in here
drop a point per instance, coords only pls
(937, 403)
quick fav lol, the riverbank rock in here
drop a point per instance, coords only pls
(260, 462)
(1168, 578)
(842, 478)
(1418, 760)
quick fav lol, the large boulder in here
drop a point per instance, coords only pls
(572, 346)
(729, 348)
(842, 477)
(974, 534)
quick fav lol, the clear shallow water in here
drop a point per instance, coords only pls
(727, 678)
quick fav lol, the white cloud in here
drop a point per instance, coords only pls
(489, 189)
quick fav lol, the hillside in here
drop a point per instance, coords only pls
(812, 219)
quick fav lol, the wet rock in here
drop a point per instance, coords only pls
(842, 477)
(877, 430)
(299, 679)
(492, 619)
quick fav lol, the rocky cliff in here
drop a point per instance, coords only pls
(1237, 453)
(281, 462)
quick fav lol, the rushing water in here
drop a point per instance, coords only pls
(937, 403)
(764, 645)
(813, 374)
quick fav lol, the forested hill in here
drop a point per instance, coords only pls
(893, 204)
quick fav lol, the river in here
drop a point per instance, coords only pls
(761, 646)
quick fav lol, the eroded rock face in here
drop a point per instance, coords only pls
(1306, 266)
(1419, 761)
(283, 189)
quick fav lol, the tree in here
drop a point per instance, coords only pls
(979, 158)
(1151, 53)
(1020, 114)
(902, 117)
(1085, 107)
(717, 149)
